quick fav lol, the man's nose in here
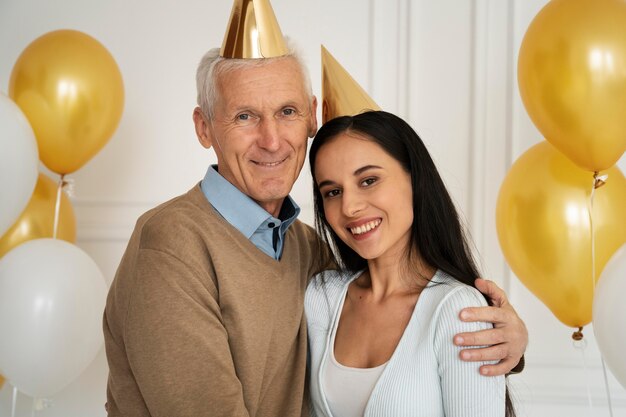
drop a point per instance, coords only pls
(269, 138)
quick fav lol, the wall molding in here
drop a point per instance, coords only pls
(491, 126)
(389, 42)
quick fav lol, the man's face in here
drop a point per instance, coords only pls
(259, 130)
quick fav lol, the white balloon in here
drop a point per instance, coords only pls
(19, 160)
(609, 314)
(52, 297)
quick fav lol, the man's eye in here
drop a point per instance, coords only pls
(243, 116)
(289, 112)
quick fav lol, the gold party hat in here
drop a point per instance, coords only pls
(341, 94)
(253, 31)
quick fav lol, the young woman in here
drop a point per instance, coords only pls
(381, 328)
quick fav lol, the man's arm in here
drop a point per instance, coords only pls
(506, 341)
(176, 346)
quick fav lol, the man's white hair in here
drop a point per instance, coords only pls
(212, 66)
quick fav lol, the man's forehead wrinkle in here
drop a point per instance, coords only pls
(278, 71)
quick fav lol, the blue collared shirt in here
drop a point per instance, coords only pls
(265, 231)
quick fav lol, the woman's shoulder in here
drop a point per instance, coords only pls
(448, 291)
(452, 296)
(448, 297)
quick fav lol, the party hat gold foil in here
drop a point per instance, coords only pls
(253, 32)
(341, 94)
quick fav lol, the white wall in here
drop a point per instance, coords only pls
(447, 66)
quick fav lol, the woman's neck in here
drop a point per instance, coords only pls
(386, 277)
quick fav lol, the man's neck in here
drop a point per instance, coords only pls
(272, 207)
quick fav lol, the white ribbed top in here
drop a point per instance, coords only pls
(348, 389)
(424, 376)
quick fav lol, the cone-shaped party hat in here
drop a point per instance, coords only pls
(341, 94)
(253, 31)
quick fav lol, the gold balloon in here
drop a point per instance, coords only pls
(572, 79)
(70, 89)
(543, 225)
(37, 219)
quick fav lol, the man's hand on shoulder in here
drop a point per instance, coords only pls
(505, 343)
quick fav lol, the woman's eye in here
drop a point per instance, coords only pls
(332, 193)
(368, 181)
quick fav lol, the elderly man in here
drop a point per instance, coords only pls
(205, 315)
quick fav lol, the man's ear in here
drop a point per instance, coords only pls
(313, 118)
(203, 129)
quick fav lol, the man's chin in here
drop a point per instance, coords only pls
(274, 188)
(270, 192)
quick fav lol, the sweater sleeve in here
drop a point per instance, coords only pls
(176, 343)
(465, 392)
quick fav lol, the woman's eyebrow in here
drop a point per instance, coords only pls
(356, 173)
(366, 168)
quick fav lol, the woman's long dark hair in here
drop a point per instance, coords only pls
(437, 235)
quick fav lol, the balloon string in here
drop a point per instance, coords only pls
(598, 181)
(57, 206)
(581, 344)
(593, 234)
(606, 385)
(14, 402)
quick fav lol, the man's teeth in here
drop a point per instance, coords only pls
(359, 230)
(269, 164)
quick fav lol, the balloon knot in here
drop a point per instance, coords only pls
(599, 180)
(578, 335)
(68, 186)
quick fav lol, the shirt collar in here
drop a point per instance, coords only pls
(238, 209)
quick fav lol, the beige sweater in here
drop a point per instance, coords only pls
(199, 322)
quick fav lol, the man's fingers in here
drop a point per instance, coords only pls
(501, 368)
(491, 353)
(492, 291)
(493, 315)
(504, 344)
(480, 338)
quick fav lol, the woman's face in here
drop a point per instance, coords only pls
(367, 196)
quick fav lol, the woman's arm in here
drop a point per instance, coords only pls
(465, 391)
(504, 343)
